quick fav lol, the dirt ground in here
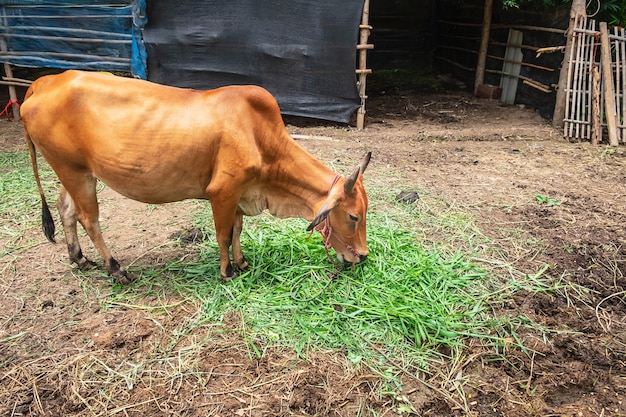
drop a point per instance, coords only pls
(59, 350)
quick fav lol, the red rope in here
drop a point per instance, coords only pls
(595, 45)
(7, 107)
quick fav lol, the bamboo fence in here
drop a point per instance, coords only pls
(596, 84)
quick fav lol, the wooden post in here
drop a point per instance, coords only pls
(484, 45)
(362, 71)
(12, 92)
(8, 72)
(578, 9)
(596, 117)
(609, 90)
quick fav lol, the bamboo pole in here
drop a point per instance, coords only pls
(44, 55)
(578, 9)
(362, 71)
(623, 48)
(549, 50)
(620, 77)
(590, 64)
(580, 77)
(17, 80)
(609, 91)
(5, 28)
(565, 86)
(70, 39)
(497, 58)
(484, 45)
(537, 84)
(505, 26)
(14, 84)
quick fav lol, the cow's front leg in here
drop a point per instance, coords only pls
(224, 233)
(238, 257)
(224, 217)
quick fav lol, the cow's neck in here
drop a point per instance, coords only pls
(299, 185)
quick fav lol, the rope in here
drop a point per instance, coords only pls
(326, 231)
(7, 107)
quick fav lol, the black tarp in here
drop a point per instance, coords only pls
(302, 51)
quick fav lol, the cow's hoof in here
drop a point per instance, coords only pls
(85, 264)
(227, 278)
(119, 274)
(243, 267)
(122, 277)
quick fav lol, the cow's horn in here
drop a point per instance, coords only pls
(349, 185)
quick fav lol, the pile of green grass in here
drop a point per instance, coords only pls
(405, 304)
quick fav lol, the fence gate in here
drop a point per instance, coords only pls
(586, 104)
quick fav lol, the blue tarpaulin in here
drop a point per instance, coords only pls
(93, 35)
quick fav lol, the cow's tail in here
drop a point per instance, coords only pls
(47, 222)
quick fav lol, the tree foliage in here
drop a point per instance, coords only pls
(546, 4)
(611, 11)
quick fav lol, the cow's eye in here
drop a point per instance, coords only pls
(354, 218)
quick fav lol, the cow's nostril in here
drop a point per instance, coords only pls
(362, 258)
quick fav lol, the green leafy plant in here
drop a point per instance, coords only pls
(548, 201)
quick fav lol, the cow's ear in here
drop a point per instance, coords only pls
(321, 215)
(318, 219)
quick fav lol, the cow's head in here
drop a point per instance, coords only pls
(342, 217)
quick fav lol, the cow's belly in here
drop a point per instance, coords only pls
(152, 178)
(154, 189)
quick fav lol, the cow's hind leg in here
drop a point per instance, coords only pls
(82, 189)
(67, 211)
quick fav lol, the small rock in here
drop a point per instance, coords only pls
(408, 197)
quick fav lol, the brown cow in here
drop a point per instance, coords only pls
(159, 144)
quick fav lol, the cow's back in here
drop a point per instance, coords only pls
(150, 142)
